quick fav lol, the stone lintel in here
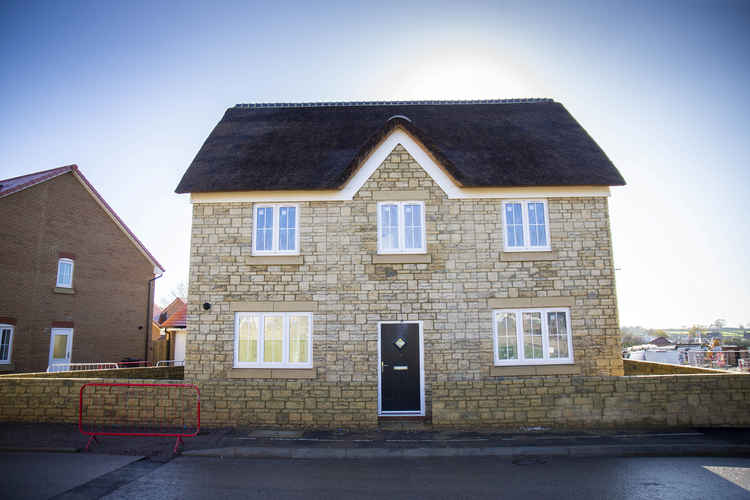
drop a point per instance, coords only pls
(289, 306)
(400, 195)
(519, 302)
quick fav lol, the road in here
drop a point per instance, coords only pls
(680, 478)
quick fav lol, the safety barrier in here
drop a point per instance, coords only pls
(170, 362)
(65, 367)
(123, 409)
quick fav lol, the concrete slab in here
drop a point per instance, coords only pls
(43, 475)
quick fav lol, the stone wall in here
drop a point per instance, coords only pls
(638, 367)
(573, 401)
(349, 288)
(289, 403)
(28, 399)
(558, 402)
(165, 372)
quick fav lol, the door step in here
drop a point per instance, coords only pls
(401, 423)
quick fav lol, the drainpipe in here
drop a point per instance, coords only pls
(150, 312)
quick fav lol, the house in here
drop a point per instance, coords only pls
(77, 283)
(350, 259)
(173, 324)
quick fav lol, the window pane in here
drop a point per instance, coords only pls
(537, 227)
(389, 227)
(532, 335)
(287, 228)
(558, 335)
(60, 346)
(299, 328)
(264, 229)
(5, 344)
(514, 224)
(64, 273)
(273, 339)
(506, 336)
(247, 349)
(413, 221)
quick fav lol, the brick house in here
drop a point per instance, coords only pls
(77, 283)
(350, 261)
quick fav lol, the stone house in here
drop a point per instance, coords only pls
(76, 282)
(350, 259)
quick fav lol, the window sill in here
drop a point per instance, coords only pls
(278, 373)
(7, 367)
(402, 258)
(527, 256)
(266, 260)
(535, 370)
(68, 291)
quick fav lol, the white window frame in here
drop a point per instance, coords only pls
(12, 328)
(261, 325)
(276, 224)
(402, 228)
(60, 284)
(525, 218)
(545, 338)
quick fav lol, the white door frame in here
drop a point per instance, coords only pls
(420, 412)
(68, 348)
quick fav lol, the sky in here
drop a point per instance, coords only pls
(129, 91)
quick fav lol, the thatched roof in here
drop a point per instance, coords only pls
(508, 143)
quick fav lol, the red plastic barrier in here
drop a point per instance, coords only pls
(137, 410)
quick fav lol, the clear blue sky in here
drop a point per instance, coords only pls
(130, 90)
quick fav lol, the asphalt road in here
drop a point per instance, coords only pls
(680, 478)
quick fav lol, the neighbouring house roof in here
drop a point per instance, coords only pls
(157, 312)
(16, 184)
(178, 319)
(177, 304)
(498, 143)
(660, 341)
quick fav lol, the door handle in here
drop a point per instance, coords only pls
(382, 365)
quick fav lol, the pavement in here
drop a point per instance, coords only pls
(400, 442)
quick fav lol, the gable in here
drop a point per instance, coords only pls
(17, 184)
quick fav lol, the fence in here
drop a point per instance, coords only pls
(139, 409)
(64, 367)
(170, 362)
(723, 360)
(99, 365)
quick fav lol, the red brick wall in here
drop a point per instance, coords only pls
(110, 278)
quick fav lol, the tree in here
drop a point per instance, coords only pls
(180, 290)
(719, 323)
(695, 332)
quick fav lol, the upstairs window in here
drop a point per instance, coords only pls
(532, 336)
(401, 227)
(6, 343)
(276, 230)
(65, 273)
(526, 227)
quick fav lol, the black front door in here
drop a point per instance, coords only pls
(399, 367)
